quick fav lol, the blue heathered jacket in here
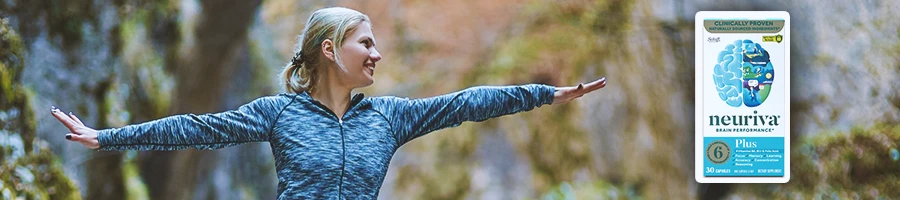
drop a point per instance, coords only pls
(317, 155)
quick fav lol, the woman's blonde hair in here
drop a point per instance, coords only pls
(334, 23)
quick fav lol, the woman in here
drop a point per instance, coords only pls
(325, 143)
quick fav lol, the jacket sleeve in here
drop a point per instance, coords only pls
(413, 118)
(251, 122)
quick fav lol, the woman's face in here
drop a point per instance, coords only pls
(358, 54)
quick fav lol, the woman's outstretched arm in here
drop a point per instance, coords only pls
(251, 122)
(412, 118)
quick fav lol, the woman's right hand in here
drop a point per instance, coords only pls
(79, 132)
(566, 94)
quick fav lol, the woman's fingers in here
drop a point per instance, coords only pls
(582, 89)
(66, 120)
(566, 94)
(84, 140)
(76, 137)
(79, 132)
(74, 118)
(599, 83)
(596, 85)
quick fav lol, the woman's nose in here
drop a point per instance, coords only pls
(375, 56)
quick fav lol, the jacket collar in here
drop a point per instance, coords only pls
(358, 97)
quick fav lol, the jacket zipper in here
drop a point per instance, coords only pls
(343, 160)
(343, 147)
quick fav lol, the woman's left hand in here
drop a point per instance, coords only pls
(566, 94)
(79, 132)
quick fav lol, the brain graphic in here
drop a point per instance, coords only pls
(743, 74)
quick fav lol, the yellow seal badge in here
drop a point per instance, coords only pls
(718, 152)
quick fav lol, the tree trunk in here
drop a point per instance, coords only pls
(202, 75)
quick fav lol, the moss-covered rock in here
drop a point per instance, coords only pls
(592, 190)
(863, 163)
(29, 169)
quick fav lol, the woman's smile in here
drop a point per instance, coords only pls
(370, 68)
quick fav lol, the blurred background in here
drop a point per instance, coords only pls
(121, 62)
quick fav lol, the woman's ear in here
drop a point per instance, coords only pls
(328, 49)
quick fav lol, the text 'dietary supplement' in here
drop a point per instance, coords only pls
(742, 101)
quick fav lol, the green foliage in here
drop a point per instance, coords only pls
(560, 35)
(591, 190)
(135, 187)
(29, 169)
(861, 163)
(563, 43)
(11, 63)
(62, 19)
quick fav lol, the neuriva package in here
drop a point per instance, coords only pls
(742, 101)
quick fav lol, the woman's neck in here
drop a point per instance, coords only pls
(330, 93)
